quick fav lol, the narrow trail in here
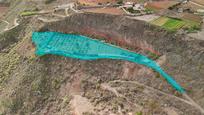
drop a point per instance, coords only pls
(65, 7)
(7, 26)
(189, 100)
(106, 86)
(197, 4)
(15, 24)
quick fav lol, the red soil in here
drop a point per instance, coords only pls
(3, 10)
(158, 5)
(119, 41)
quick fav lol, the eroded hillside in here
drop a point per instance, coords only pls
(57, 85)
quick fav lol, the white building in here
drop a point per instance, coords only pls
(138, 7)
(128, 5)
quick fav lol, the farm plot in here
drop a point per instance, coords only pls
(159, 21)
(191, 26)
(172, 24)
(168, 23)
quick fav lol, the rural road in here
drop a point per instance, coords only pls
(7, 26)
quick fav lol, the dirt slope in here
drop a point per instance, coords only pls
(55, 85)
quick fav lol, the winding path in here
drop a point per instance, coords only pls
(7, 26)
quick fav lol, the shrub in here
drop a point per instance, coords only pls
(49, 1)
(131, 10)
(120, 2)
(28, 13)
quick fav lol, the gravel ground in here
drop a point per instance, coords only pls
(198, 35)
(146, 18)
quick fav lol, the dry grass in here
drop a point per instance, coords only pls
(191, 17)
(201, 2)
(192, 6)
(160, 21)
(95, 2)
(157, 5)
(114, 11)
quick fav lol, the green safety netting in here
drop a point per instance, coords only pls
(85, 48)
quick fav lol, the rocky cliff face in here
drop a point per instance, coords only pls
(56, 85)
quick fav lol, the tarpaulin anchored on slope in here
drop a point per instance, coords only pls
(81, 47)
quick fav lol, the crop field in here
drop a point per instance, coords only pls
(158, 5)
(192, 26)
(172, 24)
(168, 23)
(160, 21)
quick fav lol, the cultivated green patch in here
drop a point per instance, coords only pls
(28, 13)
(172, 24)
(192, 26)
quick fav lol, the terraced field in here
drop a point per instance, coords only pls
(175, 24)
(160, 21)
(168, 23)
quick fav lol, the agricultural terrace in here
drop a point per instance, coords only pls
(159, 5)
(113, 11)
(173, 24)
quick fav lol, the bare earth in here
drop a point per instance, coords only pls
(146, 18)
(3, 10)
(198, 35)
(114, 11)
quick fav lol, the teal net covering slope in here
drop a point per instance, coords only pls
(81, 47)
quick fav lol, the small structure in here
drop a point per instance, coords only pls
(128, 5)
(138, 7)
